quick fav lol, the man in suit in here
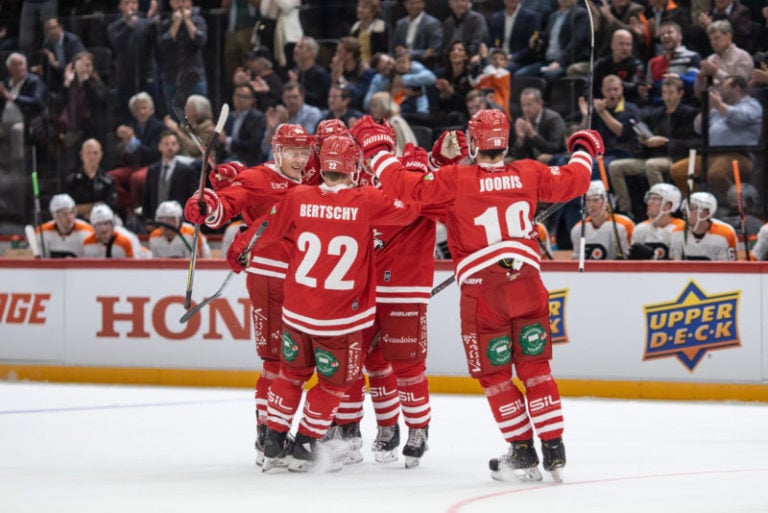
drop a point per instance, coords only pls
(23, 100)
(168, 179)
(420, 33)
(564, 42)
(511, 29)
(244, 129)
(465, 25)
(59, 48)
(539, 132)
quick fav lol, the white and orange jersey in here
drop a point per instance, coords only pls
(717, 243)
(657, 237)
(760, 250)
(329, 283)
(122, 245)
(601, 240)
(161, 247)
(63, 246)
(542, 237)
(489, 210)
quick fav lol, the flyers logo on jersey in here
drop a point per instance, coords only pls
(691, 325)
(557, 300)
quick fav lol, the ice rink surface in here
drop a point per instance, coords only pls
(82, 448)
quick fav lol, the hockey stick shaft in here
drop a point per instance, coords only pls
(36, 195)
(193, 310)
(442, 285)
(689, 182)
(604, 178)
(590, 85)
(740, 202)
(203, 170)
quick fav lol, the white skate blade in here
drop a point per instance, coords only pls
(557, 474)
(271, 463)
(259, 458)
(385, 456)
(412, 461)
(523, 475)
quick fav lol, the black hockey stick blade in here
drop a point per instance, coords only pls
(192, 311)
(443, 285)
(183, 89)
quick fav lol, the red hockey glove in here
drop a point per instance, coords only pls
(224, 174)
(587, 140)
(415, 158)
(373, 137)
(450, 148)
(236, 259)
(192, 209)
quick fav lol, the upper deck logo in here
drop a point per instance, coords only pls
(557, 300)
(692, 325)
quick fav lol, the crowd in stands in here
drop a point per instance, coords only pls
(668, 76)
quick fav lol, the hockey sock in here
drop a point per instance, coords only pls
(351, 406)
(319, 409)
(270, 371)
(383, 389)
(544, 406)
(283, 398)
(413, 393)
(508, 408)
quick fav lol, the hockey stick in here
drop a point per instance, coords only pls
(604, 178)
(192, 311)
(740, 202)
(442, 285)
(200, 203)
(590, 85)
(691, 170)
(38, 212)
(34, 247)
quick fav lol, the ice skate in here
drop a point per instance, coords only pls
(519, 463)
(261, 433)
(385, 446)
(553, 454)
(309, 456)
(352, 441)
(278, 447)
(415, 446)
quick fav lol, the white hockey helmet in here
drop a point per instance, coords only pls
(61, 202)
(101, 213)
(169, 209)
(596, 188)
(703, 201)
(669, 194)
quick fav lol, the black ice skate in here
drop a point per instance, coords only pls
(278, 447)
(415, 446)
(261, 433)
(519, 463)
(309, 456)
(385, 446)
(553, 454)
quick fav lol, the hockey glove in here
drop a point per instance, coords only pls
(450, 148)
(373, 137)
(587, 140)
(192, 208)
(640, 251)
(237, 258)
(224, 174)
(415, 158)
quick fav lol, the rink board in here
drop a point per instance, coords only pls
(621, 329)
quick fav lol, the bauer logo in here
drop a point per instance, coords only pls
(557, 316)
(691, 325)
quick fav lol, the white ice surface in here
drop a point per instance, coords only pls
(114, 449)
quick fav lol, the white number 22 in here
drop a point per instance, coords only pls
(342, 246)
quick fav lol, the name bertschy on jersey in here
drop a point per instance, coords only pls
(499, 183)
(328, 212)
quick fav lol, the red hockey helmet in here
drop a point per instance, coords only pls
(340, 154)
(488, 130)
(291, 136)
(327, 128)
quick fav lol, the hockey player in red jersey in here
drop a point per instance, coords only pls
(252, 192)
(504, 305)
(329, 296)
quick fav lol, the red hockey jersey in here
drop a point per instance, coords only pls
(330, 285)
(489, 209)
